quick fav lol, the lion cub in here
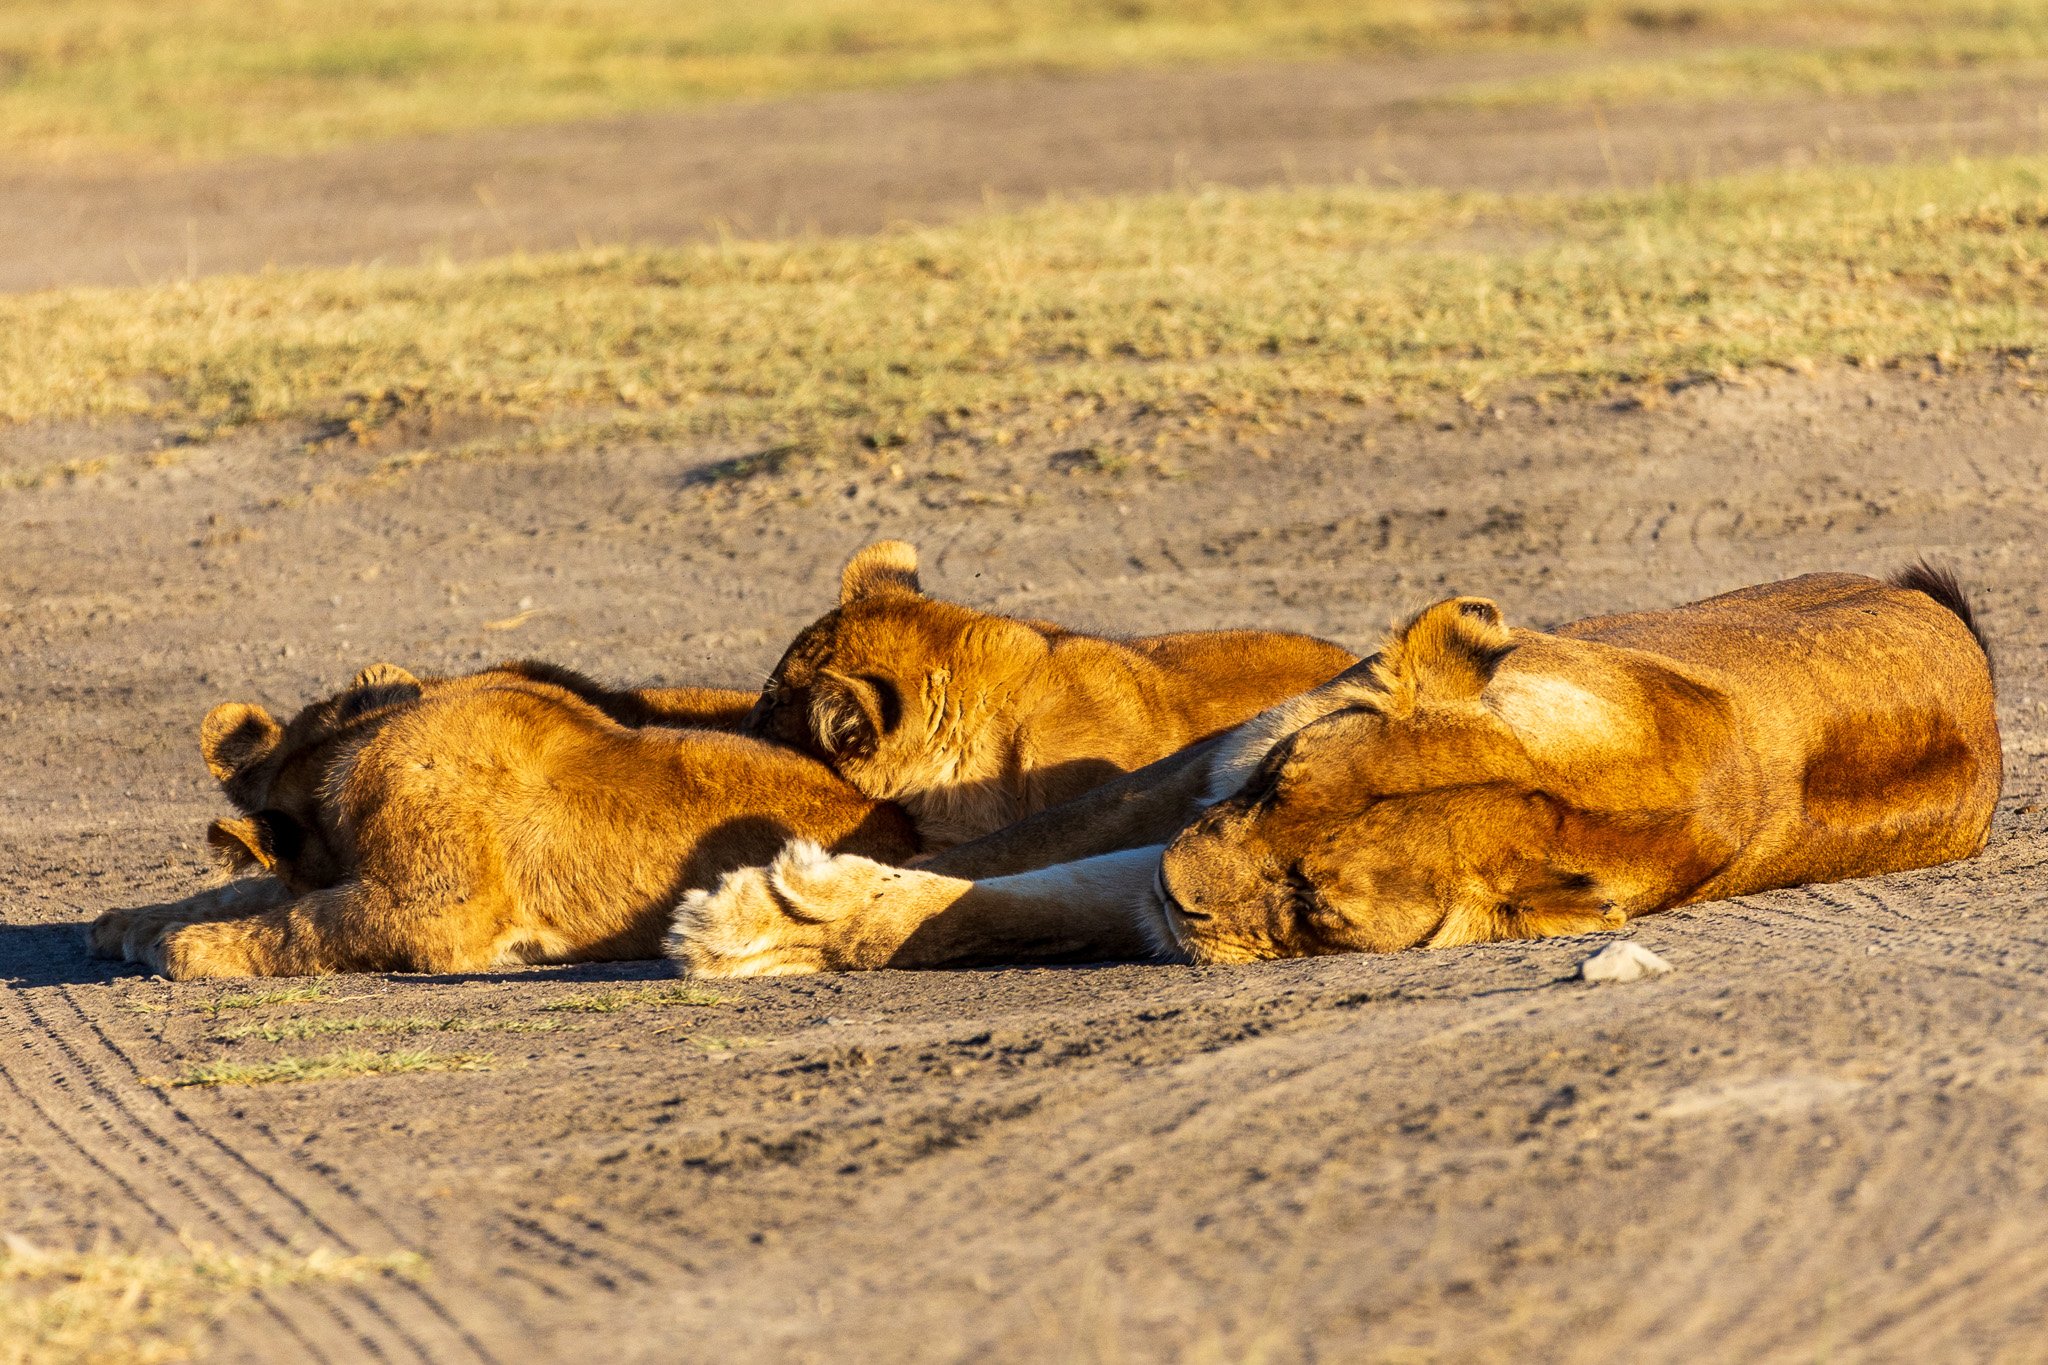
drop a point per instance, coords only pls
(518, 815)
(972, 721)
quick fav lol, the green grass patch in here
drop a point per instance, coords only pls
(208, 77)
(611, 1002)
(256, 1000)
(100, 1306)
(294, 1030)
(341, 1065)
(1221, 305)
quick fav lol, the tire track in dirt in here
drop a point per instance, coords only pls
(44, 1087)
(1794, 1146)
(602, 1265)
(135, 1137)
(345, 1210)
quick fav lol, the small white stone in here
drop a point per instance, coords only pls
(1623, 961)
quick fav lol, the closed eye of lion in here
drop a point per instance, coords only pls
(1470, 782)
(972, 721)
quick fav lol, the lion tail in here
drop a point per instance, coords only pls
(1939, 582)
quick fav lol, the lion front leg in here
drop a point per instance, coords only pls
(352, 928)
(812, 912)
(302, 937)
(119, 933)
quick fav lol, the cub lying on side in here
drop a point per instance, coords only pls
(972, 721)
(1471, 782)
(522, 814)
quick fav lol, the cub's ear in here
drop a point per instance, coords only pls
(885, 567)
(384, 675)
(234, 738)
(384, 685)
(850, 715)
(263, 840)
(240, 845)
(1445, 652)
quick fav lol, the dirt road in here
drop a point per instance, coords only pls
(1825, 1134)
(860, 161)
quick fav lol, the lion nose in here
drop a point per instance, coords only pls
(1174, 898)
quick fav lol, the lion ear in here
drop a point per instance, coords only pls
(379, 685)
(234, 738)
(240, 845)
(1444, 652)
(850, 715)
(384, 675)
(885, 567)
(264, 840)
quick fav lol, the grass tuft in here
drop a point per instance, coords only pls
(99, 1306)
(294, 1030)
(253, 1000)
(611, 1002)
(350, 1062)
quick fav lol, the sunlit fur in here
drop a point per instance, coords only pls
(1473, 781)
(973, 721)
(521, 814)
(810, 912)
(1498, 783)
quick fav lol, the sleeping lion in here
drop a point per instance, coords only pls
(527, 814)
(517, 815)
(1470, 782)
(972, 721)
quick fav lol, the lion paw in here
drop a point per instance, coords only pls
(195, 952)
(108, 935)
(774, 920)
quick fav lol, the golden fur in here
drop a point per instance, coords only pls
(1470, 782)
(522, 814)
(972, 721)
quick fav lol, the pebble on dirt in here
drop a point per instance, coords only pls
(1623, 961)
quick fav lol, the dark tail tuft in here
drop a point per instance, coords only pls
(1939, 583)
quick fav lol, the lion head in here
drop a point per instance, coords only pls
(1421, 798)
(280, 775)
(972, 721)
(910, 698)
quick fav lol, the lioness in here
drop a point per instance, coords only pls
(972, 721)
(1470, 782)
(522, 814)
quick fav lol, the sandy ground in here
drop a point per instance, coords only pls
(1825, 1134)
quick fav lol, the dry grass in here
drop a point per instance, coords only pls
(611, 1002)
(204, 77)
(410, 1025)
(346, 1064)
(1222, 306)
(1905, 59)
(74, 1307)
(255, 1000)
